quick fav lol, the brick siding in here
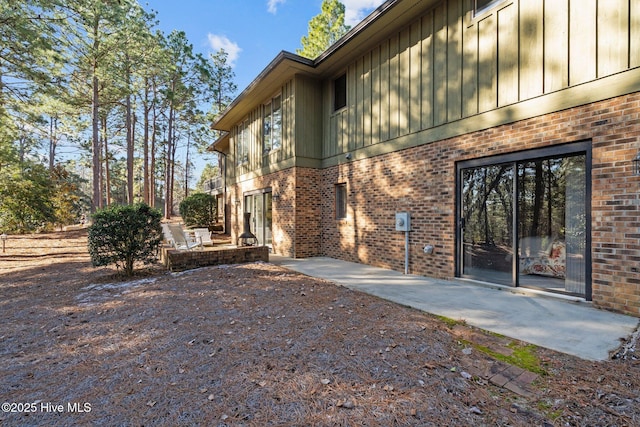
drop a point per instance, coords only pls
(421, 181)
(296, 208)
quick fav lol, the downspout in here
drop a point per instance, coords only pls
(224, 192)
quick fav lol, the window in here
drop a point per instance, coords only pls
(272, 125)
(482, 5)
(341, 201)
(340, 92)
(242, 145)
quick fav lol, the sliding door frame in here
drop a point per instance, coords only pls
(576, 148)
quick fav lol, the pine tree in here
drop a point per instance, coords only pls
(324, 29)
(28, 60)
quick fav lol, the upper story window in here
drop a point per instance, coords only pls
(272, 125)
(340, 92)
(242, 144)
(480, 6)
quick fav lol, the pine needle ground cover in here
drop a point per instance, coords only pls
(259, 345)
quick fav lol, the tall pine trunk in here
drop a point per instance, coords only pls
(107, 170)
(129, 124)
(53, 141)
(152, 161)
(97, 194)
(168, 200)
(154, 136)
(186, 167)
(130, 172)
(145, 145)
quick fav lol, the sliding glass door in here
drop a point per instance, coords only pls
(525, 222)
(260, 207)
(487, 223)
(551, 229)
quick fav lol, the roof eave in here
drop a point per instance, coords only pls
(355, 31)
(284, 65)
(221, 144)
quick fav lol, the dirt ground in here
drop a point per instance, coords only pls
(259, 345)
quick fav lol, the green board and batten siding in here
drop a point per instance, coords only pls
(448, 72)
(292, 133)
(448, 65)
(308, 93)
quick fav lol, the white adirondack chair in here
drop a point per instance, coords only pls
(180, 240)
(166, 234)
(204, 235)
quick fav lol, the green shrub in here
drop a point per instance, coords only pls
(25, 199)
(198, 210)
(122, 235)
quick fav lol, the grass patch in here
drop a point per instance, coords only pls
(547, 408)
(523, 356)
(451, 323)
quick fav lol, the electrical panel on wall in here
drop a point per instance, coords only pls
(403, 221)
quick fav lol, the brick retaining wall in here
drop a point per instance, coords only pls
(176, 260)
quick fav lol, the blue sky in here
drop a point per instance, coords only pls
(253, 32)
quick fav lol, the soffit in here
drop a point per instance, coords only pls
(221, 144)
